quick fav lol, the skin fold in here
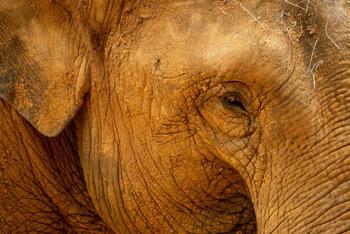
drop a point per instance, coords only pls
(174, 116)
(42, 189)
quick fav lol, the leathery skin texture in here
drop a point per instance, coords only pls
(159, 116)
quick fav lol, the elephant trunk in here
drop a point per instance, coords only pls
(310, 194)
(306, 182)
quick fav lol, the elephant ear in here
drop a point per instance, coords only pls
(45, 59)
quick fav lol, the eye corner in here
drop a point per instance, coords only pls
(234, 101)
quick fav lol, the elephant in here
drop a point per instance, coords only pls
(182, 116)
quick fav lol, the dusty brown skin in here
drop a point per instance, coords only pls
(42, 189)
(194, 116)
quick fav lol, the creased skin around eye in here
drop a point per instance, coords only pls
(225, 110)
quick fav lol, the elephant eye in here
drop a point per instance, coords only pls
(234, 101)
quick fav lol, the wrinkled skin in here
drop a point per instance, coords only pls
(42, 188)
(194, 116)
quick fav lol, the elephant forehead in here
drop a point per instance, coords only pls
(202, 37)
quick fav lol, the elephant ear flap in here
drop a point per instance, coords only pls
(44, 62)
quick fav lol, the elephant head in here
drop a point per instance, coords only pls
(189, 108)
